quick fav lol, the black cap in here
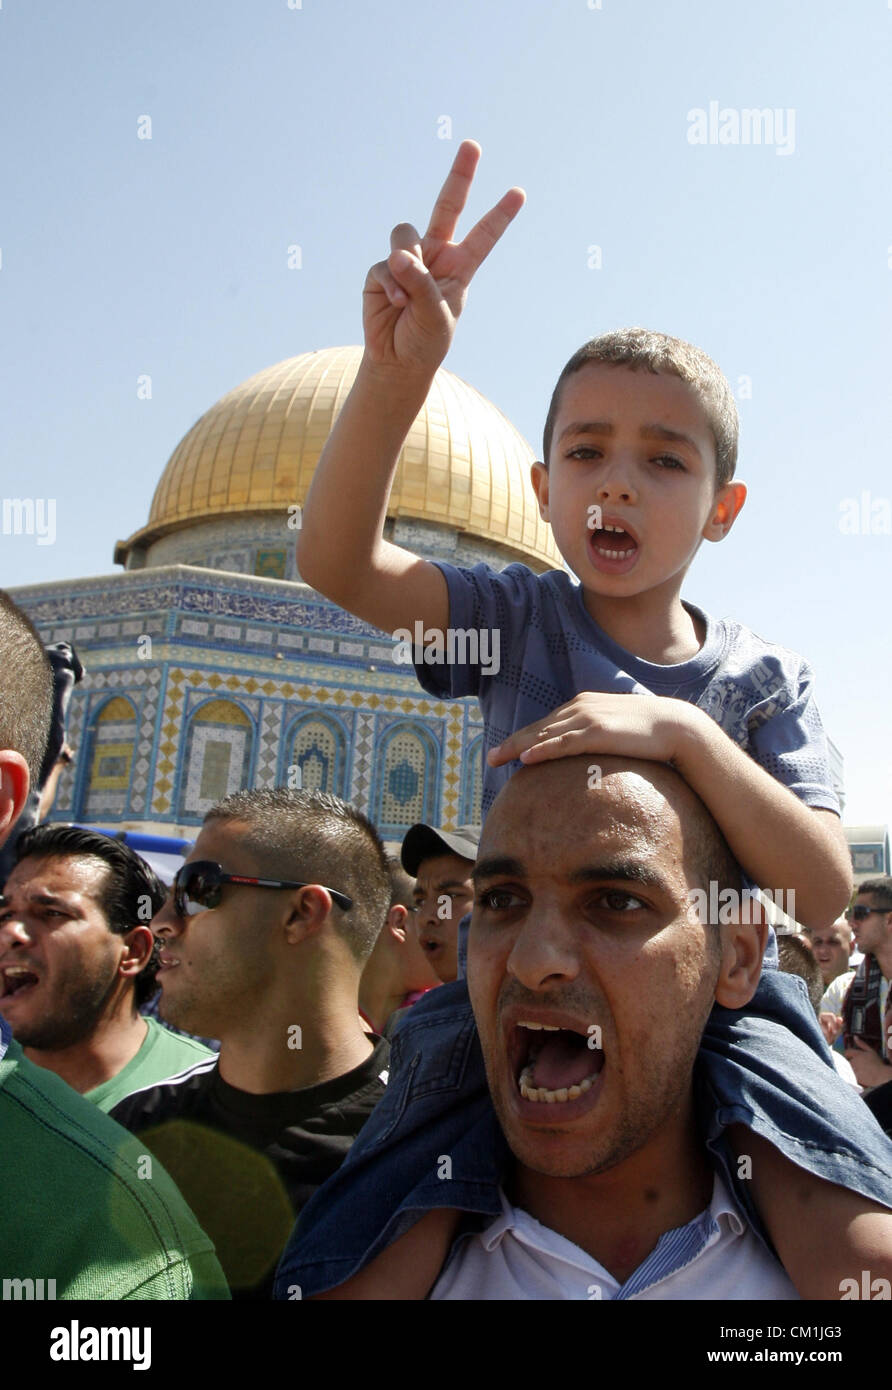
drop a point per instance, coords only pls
(424, 842)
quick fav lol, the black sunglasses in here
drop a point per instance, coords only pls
(861, 910)
(199, 886)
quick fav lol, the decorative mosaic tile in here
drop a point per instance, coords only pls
(363, 764)
(268, 744)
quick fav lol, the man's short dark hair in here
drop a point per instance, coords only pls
(795, 958)
(129, 897)
(26, 688)
(316, 837)
(880, 888)
(402, 885)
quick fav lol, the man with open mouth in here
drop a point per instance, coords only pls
(78, 959)
(440, 861)
(591, 977)
(591, 982)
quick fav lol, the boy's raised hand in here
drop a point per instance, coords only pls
(412, 300)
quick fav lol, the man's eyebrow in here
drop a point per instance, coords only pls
(655, 431)
(497, 866)
(42, 898)
(619, 870)
(615, 871)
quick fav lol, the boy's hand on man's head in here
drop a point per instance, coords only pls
(412, 300)
(632, 726)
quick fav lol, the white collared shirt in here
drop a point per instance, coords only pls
(715, 1256)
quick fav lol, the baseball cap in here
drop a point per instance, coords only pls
(424, 842)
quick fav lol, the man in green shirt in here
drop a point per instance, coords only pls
(84, 1211)
(78, 958)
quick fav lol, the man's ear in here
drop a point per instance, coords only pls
(395, 922)
(140, 942)
(539, 479)
(15, 783)
(743, 945)
(307, 911)
(725, 511)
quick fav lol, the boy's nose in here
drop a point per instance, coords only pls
(617, 487)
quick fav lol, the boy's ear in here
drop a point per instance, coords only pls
(539, 479)
(743, 945)
(725, 510)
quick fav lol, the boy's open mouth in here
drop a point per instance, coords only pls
(612, 545)
(551, 1064)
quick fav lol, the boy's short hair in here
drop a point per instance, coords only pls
(26, 706)
(639, 348)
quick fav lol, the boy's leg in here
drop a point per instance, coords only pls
(792, 1136)
(826, 1236)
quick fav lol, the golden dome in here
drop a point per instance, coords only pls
(463, 464)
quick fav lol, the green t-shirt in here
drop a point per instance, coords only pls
(83, 1207)
(163, 1054)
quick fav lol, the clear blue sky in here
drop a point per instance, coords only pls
(320, 126)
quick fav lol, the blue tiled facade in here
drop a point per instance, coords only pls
(201, 681)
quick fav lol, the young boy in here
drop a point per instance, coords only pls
(640, 449)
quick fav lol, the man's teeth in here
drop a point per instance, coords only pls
(13, 973)
(530, 1092)
(544, 1027)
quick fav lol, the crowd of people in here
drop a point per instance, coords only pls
(514, 1062)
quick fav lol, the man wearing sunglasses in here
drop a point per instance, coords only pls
(867, 1008)
(78, 1205)
(262, 944)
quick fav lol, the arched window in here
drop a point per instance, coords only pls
(315, 755)
(472, 783)
(112, 738)
(218, 756)
(405, 780)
